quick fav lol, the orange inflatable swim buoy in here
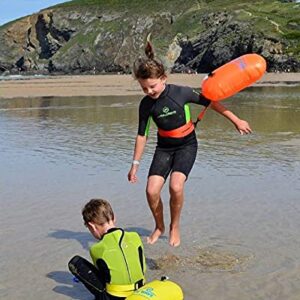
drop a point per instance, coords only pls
(234, 76)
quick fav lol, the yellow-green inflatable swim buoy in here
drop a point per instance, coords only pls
(163, 289)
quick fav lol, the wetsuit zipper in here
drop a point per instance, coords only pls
(124, 256)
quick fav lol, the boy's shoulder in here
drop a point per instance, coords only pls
(132, 234)
(119, 233)
(113, 237)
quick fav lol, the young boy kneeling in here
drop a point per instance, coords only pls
(118, 257)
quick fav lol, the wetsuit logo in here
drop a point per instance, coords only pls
(166, 112)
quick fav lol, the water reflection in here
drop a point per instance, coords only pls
(101, 130)
(79, 130)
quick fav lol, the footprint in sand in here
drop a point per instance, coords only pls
(208, 259)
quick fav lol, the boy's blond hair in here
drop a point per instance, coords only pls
(97, 211)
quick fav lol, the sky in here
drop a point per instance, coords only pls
(14, 9)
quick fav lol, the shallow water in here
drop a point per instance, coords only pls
(240, 223)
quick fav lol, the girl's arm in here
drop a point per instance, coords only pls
(241, 125)
(140, 143)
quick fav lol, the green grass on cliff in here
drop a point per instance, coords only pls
(273, 18)
(134, 6)
(268, 16)
(260, 12)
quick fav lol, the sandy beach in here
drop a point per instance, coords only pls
(104, 85)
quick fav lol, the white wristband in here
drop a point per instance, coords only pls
(135, 162)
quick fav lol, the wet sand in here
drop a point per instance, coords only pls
(104, 85)
(240, 222)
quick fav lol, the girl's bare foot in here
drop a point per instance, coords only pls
(155, 235)
(174, 239)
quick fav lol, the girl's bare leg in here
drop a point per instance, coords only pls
(153, 190)
(177, 181)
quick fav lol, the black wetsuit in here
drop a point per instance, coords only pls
(171, 111)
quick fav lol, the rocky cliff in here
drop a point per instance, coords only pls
(97, 36)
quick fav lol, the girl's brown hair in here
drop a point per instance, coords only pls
(149, 67)
(97, 211)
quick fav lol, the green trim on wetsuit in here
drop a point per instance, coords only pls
(147, 130)
(187, 113)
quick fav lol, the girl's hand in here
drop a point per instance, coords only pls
(132, 174)
(243, 127)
